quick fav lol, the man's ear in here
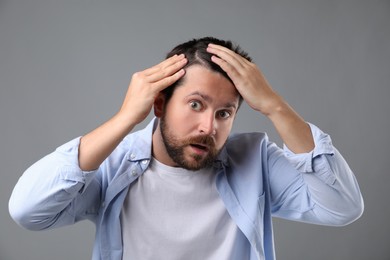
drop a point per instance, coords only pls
(159, 104)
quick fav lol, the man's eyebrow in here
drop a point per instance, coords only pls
(205, 97)
(210, 99)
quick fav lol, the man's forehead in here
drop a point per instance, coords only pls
(208, 84)
(197, 73)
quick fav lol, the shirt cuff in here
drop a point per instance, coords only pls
(70, 171)
(303, 162)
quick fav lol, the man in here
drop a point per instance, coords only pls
(184, 188)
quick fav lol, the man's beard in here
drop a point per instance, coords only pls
(175, 149)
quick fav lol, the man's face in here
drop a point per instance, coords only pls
(198, 118)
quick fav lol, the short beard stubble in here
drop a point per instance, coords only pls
(175, 148)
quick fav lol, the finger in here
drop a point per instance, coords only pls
(224, 53)
(227, 67)
(230, 56)
(226, 50)
(168, 81)
(166, 71)
(165, 63)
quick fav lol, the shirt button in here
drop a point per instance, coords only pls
(145, 161)
(132, 156)
(134, 173)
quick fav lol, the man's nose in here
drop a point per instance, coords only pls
(208, 124)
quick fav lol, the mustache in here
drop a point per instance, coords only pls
(200, 139)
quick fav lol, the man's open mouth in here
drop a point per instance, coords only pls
(200, 146)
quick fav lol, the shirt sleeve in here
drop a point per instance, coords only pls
(55, 192)
(304, 161)
(321, 190)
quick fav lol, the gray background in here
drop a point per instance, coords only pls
(65, 66)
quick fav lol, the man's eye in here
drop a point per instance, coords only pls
(196, 105)
(224, 114)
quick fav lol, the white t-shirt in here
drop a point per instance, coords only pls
(172, 213)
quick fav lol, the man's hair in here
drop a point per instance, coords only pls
(196, 54)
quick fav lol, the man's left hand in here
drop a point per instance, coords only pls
(247, 78)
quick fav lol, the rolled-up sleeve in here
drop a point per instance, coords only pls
(326, 182)
(54, 191)
(304, 161)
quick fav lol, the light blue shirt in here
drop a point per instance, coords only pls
(255, 179)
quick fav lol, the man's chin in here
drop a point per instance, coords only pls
(196, 162)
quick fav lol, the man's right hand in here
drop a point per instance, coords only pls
(143, 89)
(146, 85)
